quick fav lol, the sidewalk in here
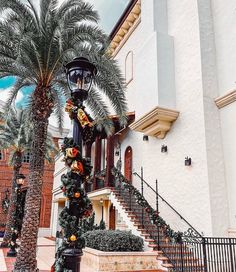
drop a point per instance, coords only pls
(45, 257)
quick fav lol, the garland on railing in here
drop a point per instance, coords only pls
(154, 216)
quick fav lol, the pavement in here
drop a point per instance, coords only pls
(45, 257)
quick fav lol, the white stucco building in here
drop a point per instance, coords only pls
(179, 61)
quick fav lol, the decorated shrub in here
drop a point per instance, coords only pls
(113, 240)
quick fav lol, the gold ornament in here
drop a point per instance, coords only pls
(73, 238)
(77, 194)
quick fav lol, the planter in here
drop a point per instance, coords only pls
(119, 261)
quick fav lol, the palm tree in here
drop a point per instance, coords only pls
(34, 45)
(15, 135)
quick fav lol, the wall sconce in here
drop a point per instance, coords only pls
(118, 149)
(187, 161)
(145, 137)
(163, 148)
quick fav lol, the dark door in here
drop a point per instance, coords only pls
(128, 164)
(112, 218)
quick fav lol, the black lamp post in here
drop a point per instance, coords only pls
(80, 73)
(16, 228)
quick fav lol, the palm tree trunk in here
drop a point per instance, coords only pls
(26, 256)
(12, 205)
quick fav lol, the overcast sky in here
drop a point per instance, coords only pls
(109, 12)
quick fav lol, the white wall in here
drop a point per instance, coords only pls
(224, 16)
(189, 189)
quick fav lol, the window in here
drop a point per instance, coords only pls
(1, 155)
(26, 158)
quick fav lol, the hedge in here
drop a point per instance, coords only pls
(113, 240)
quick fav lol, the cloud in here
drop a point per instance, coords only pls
(4, 94)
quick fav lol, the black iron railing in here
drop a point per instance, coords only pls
(185, 248)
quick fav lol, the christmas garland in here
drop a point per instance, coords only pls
(5, 205)
(78, 113)
(78, 205)
(153, 215)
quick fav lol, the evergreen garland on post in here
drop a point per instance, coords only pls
(78, 205)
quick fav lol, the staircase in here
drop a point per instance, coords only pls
(138, 219)
(177, 250)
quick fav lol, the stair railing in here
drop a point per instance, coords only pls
(167, 203)
(184, 247)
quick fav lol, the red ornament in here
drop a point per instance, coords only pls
(147, 210)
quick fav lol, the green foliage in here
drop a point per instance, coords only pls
(113, 240)
(88, 224)
(16, 135)
(36, 43)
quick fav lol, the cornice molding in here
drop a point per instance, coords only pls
(156, 123)
(226, 99)
(126, 29)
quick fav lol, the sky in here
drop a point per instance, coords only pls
(109, 12)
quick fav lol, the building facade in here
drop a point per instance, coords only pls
(6, 173)
(178, 59)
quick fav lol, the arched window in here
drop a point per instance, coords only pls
(128, 163)
(1, 155)
(129, 67)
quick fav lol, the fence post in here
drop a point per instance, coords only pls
(204, 254)
(231, 256)
(142, 194)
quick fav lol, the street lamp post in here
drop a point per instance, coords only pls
(16, 228)
(80, 73)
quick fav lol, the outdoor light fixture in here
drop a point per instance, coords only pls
(164, 148)
(117, 152)
(187, 161)
(20, 179)
(80, 73)
(101, 201)
(145, 137)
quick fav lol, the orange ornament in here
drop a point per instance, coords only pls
(73, 238)
(77, 194)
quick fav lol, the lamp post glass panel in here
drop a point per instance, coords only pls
(80, 73)
(17, 222)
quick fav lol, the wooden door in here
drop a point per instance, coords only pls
(112, 218)
(128, 164)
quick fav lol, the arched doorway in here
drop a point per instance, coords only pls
(128, 163)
